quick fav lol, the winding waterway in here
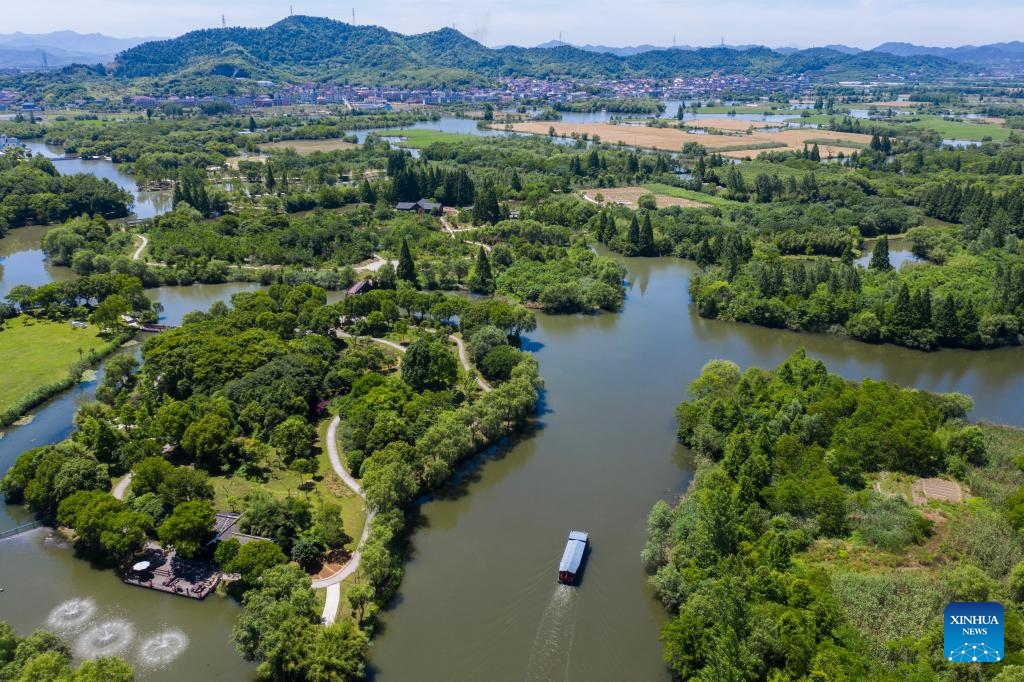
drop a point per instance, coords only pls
(479, 600)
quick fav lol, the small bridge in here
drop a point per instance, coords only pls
(18, 530)
(154, 327)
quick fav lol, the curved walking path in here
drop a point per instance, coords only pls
(466, 366)
(333, 583)
(142, 247)
(121, 488)
(453, 233)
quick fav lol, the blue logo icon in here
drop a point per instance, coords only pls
(973, 632)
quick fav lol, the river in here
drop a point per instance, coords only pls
(479, 600)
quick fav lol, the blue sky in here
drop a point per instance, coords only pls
(800, 23)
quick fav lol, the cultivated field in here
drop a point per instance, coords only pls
(727, 123)
(309, 146)
(673, 139)
(629, 196)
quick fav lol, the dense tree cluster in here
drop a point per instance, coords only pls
(32, 192)
(786, 459)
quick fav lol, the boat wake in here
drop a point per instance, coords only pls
(552, 646)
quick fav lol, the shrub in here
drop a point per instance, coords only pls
(499, 362)
(887, 522)
(980, 535)
(888, 607)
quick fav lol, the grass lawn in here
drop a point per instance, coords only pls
(419, 138)
(959, 130)
(229, 491)
(38, 353)
(670, 191)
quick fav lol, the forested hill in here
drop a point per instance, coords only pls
(326, 50)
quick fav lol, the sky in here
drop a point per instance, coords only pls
(777, 23)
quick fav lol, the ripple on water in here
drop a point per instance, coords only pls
(109, 638)
(72, 614)
(162, 648)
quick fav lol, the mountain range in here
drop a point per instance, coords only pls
(60, 48)
(996, 55)
(311, 48)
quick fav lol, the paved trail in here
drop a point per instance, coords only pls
(333, 583)
(142, 247)
(121, 488)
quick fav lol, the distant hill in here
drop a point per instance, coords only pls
(1000, 55)
(60, 48)
(310, 48)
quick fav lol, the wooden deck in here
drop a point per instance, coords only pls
(175, 575)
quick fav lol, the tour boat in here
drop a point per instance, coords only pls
(572, 557)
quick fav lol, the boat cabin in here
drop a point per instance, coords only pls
(572, 557)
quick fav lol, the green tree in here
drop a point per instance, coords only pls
(254, 558)
(188, 527)
(428, 365)
(406, 270)
(481, 280)
(880, 255)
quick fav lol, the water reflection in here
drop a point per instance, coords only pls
(147, 204)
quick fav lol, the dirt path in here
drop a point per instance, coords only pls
(453, 233)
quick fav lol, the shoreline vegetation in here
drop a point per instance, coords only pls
(827, 524)
(236, 389)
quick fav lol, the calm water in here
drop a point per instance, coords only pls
(22, 260)
(147, 204)
(899, 253)
(479, 599)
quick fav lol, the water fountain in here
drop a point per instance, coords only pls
(72, 614)
(109, 638)
(162, 648)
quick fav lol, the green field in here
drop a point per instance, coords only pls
(949, 130)
(959, 130)
(418, 138)
(670, 191)
(38, 353)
